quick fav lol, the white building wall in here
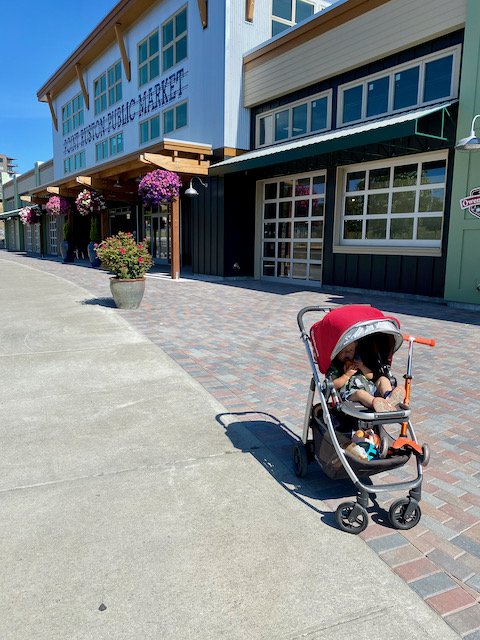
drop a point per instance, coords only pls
(394, 26)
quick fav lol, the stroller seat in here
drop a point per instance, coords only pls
(358, 411)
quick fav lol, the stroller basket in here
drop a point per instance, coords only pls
(346, 438)
(328, 459)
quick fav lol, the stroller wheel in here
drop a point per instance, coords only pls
(404, 515)
(300, 459)
(351, 517)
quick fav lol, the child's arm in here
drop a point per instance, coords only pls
(342, 380)
(368, 373)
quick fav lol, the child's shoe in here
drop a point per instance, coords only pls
(383, 405)
(397, 396)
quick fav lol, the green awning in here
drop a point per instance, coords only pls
(374, 131)
(10, 214)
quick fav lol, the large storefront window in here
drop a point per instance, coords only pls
(52, 235)
(292, 227)
(399, 203)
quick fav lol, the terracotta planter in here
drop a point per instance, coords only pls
(127, 294)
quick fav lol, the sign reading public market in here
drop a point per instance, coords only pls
(156, 97)
(472, 202)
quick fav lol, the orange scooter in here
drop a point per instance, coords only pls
(402, 443)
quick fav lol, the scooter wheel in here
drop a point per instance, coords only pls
(399, 519)
(425, 455)
(349, 522)
(300, 460)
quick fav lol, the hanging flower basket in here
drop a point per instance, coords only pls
(57, 205)
(28, 215)
(89, 202)
(159, 186)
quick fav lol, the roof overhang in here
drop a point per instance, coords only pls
(118, 180)
(375, 131)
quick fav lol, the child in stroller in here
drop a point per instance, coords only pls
(356, 382)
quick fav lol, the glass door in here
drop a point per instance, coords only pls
(157, 234)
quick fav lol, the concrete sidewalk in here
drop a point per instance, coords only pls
(132, 508)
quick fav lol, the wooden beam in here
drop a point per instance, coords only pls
(179, 165)
(85, 180)
(249, 8)
(54, 190)
(123, 51)
(203, 10)
(26, 198)
(52, 111)
(175, 239)
(86, 97)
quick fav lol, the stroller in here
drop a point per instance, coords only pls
(331, 425)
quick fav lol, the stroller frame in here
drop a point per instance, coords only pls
(352, 517)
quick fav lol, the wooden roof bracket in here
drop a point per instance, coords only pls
(86, 97)
(85, 180)
(203, 10)
(123, 51)
(53, 189)
(249, 8)
(52, 110)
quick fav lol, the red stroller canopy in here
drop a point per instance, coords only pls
(345, 324)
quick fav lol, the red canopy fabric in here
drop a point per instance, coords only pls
(326, 333)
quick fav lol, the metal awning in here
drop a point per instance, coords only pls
(374, 131)
(10, 214)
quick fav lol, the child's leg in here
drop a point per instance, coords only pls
(383, 385)
(363, 397)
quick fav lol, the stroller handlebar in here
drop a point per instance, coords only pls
(427, 341)
(305, 310)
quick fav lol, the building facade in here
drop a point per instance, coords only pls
(352, 178)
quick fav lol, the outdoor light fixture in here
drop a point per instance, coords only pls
(117, 184)
(472, 142)
(191, 192)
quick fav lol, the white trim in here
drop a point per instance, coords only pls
(390, 73)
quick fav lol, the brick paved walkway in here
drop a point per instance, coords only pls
(241, 342)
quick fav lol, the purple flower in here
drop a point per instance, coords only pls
(159, 186)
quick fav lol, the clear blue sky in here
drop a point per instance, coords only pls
(37, 37)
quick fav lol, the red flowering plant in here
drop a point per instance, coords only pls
(123, 257)
(159, 186)
(29, 215)
(89, 202)
(57, 205)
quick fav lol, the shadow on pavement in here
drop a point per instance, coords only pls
(246, 429)
(101, 302)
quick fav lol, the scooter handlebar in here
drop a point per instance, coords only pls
(427, 341)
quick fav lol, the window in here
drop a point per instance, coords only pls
(52, 235)
(148, 59)
(286, 13)
(398, 203)
(175, 118)
(116, 144)
(292, 227)
(109, 147)
(72, 114)
(295, 120)
(74, 163)
(174, 40)
(422, 81)
(150, 129)
(108, 87)
(101, 150)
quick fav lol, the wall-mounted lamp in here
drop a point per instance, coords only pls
(191, 192)
(472, 142)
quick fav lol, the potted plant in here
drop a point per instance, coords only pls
(159, 186)
(89, 201)
(128, 261)
(94, 241)
(66, 246)
(57, 205)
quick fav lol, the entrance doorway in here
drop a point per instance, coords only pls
(158, 234)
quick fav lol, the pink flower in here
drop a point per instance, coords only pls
(122, 250)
